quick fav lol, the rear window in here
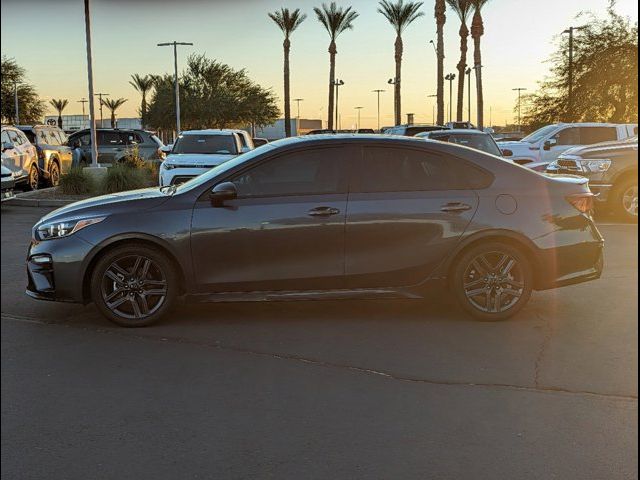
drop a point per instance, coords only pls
(412, 131)
(206, 144)
(484, 143)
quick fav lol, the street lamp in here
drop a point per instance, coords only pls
(433, 44)
(519, 90)
(92, 115)
(337, 83)
(358, 124)
(451, 77)
(433, 109)
(570, 31)
(396, 108)
(379, 91)
(100, 95)
(298, 100)
(175, 67)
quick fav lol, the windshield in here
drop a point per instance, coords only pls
(480, 142)
(206, 144)
(539, 134)
(220, 169)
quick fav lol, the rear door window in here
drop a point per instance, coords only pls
(591, 135)
(110, 139)
(569, 136)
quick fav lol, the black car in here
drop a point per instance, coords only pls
(328, 216)
(612, 170)
(54, 155)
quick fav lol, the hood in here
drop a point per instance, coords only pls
(198, 159)
(514, 145)
(133, 200)
(601, 147)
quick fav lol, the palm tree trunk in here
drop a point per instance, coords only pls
(397, 86)
(113, 119)
(477, 30)
(332, 78)
(462, 65)
(441, 19)
(287, 93)
(60, 120)
(143, 111)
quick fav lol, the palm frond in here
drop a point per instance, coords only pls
(59, 105)
(462, 8)
(399, 14)
(141, 83)
(335, 19)
(288, 21)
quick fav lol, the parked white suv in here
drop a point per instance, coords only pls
(196, 151)
(20, 157)
(543, 146)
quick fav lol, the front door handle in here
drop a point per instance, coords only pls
(323, 211)
(454, 207)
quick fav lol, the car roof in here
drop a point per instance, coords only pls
(209, 131)
(459, 131)
(350, 138)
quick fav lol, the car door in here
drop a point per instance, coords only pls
(407, 209)
(21, 153)
(561, 141)
(285, 231)
(111, 145)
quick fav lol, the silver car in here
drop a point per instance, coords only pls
(20, 157)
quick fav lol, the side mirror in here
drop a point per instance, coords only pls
(7, 146)
(222, 192)
(166, 149)
(552, 142)
(507, 153)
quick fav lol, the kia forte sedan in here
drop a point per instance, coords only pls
(328, 216)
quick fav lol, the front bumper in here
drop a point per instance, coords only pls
(174, 176)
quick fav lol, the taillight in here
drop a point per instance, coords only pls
(583, 202)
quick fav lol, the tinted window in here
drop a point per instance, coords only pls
(569, 136)
(590, 135)
(132, 138)
(308, 172)
(388, 169)
(220, 144)
(110, 138)
(31, 136)
(483, 143)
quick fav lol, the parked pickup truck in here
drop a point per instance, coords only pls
(543, 146)
(612, 170)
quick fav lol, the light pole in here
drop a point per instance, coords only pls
(298, 100)
(433, 44)
(451, 77)
(175, 73)
(358, 124)
(379, 91)
(15, 99)
(468, 73)
(337, 83)
(570, 31)
(433, 109)
(92, 116)
(82, 101)
(100, 95)
(519, 90)
(396, 108)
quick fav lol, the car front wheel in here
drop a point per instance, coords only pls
(492, 281)
(625, 200)
(134, 285)
(54, 174)
(33, 181)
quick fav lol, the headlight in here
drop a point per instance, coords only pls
(594, 165)
(168, 166)
(64, 228)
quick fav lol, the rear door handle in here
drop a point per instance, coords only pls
(454, 207)
(323, 211)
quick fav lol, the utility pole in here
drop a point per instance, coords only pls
(100, 95)
(396, 108)
(379, 91)
(337, 83)
(175, 74)
(468, 72)
(15, 99)
(451, 77)
(92, 116)
(570, 31)
(358, 124)
(519, 90)
(83, 101)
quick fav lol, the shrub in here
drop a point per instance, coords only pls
(133, 159)
(76, 182)
(123, 177)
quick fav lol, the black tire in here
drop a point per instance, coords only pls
(33, 181)
(492, 281)
(54, 174)
(143, 298)
(624, 200)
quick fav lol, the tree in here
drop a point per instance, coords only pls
(605, 87)
(287, 22)
(30, 108)
(462, 9)
(441, 18)
(59, 106)
(477, 30)
(399, 16)
(335, 21)
(113, 104)
(142, 84)
(212, 95)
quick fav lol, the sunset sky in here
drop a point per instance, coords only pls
(47, 38)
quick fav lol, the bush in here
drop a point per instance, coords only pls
(133, 159)
(76, 182)
(122, 177)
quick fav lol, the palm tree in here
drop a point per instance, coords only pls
(113, 105)
(59, 106)
(462, 9)
(142, 84)
(477, 30)
(288, 22)
(399, 16)
(441, 18)
(335, 20)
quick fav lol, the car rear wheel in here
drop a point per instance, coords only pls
(33, 181)
(625, 200)
(54, 174)
(492, 281)
(134, 285)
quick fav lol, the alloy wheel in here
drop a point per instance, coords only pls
(134, 287)
(493, 282)
(630, 200)
(54, 175)
(34, 178)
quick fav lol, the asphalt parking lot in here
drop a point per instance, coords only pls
(324, 390)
